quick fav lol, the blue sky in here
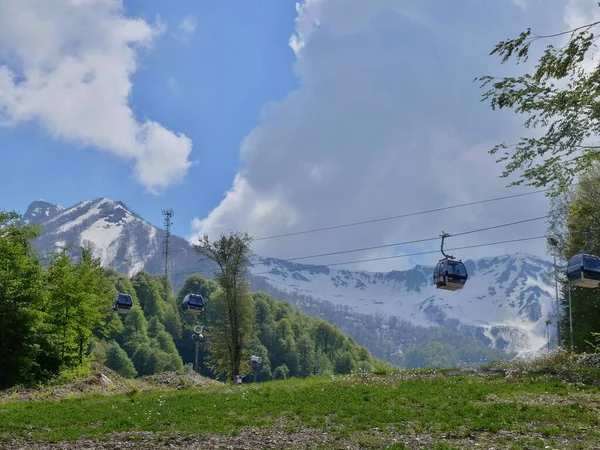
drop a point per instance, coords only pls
(298, 116)
(235, 60)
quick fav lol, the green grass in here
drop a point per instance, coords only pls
(349, 407)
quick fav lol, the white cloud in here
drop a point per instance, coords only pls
(186, 28)
(581, 12)
(387, 121)
(66, 64)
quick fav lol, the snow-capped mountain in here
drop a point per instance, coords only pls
(122, 239)
(504, 304)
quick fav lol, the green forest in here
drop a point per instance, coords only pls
(57, 318)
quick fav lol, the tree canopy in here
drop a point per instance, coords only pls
(575, 223)
(561, 97)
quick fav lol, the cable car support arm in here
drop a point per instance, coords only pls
(443, 236)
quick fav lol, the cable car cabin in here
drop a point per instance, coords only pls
(450, 275)
(123, 303)
(192, 304)
(583, 270)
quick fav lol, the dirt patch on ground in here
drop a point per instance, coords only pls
(253, 438)
(249, 439)
(103, 381)
(588, 401)
(367, 377)
(171, 380)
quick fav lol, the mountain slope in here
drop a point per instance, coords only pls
(506, 299)
(504, 304)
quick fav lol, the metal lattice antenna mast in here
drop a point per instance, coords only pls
(168, 213)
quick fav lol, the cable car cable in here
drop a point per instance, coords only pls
(387, 257)
(410, 254)
(367, 221)
(384, 245)
(413, 242)
(314, 230)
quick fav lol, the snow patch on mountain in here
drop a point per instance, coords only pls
(506, 299)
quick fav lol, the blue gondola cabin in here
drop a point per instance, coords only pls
(123, 303)
(450, 275)
(583, 270)
(192, 304)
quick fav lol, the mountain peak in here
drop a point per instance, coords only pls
(40, 211)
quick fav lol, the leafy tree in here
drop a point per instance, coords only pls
(575, 223)
(117, 360)
(229, 338)
(22, 300)
(560, 95)
(98, 351)
(157, 300)
(121, 283)
(149, 292)
(345, 362)
(305, 345)
(135, 331)
(328, 338)
(285, 351)
(97, 294)
(149, 346)
(306, 355)
(63, 305)
(233, 334)
(79, 302)
(432, 354)
(281, 372)
(143, 359)
(323, 365)
(265, 319)
(163, 343)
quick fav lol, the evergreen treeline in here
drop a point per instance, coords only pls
(57, 318)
